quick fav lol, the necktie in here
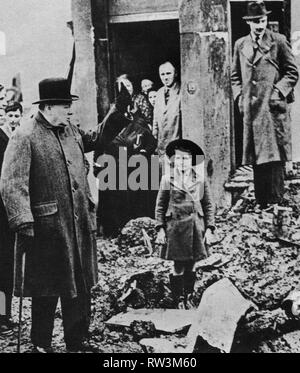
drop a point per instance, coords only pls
(255, 47)
(167, 96)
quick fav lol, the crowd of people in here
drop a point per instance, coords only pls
(48, 216)
(144, 123)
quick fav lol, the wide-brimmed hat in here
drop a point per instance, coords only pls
(256, 10)
(55, 90)
(186, 145)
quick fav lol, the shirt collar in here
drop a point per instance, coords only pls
(253, 36)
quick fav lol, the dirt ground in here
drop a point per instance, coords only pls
(263, 268)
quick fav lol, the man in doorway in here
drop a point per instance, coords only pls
(264, 74)
(167, 110)
(48, 203)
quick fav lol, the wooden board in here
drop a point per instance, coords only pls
(122, 7)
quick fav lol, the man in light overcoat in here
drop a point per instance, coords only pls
(264, 74)
(167, 109)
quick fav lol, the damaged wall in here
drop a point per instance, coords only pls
(84, 75)
(206, 84)
(84, 84)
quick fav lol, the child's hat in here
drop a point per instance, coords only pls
(186, 145)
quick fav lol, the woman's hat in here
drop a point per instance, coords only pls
(55, 90)
(186, 145)
(256, 10)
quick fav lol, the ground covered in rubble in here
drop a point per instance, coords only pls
(262, 267)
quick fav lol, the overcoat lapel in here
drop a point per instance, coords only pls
(265, 47)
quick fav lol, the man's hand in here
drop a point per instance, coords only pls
(241, 104)
(25, 237)
(276, 95)
(210, 237)
(161, 237)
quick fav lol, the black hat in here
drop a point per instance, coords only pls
(256, 10)
(55, 90)
(183, 144)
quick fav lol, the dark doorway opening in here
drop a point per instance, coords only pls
(139, 48)
(279, 21)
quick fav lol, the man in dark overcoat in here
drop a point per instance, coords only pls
(48, 202)
(264, 74)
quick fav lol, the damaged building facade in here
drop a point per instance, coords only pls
(113, 37)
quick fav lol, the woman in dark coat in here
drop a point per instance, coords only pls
(184, 214)
(113, 204)
(124, 129)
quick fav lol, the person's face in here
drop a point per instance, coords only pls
(146, 85)
(2, 117)
(183, 160)
(128, 85)
(3, 100)
(13, 118)
(152, 97)
(258, 26)
(61, 114)
(167, 74)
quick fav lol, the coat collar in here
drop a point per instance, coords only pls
(6, 130)
(3, 134)
(193, 186)
(266, 44)
(43, 121)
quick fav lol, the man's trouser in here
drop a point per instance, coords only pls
(75, 314)
(269, 183)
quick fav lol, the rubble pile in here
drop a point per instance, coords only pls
(253, 250)
(138, 237)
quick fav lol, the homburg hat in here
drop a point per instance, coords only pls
(256, 10)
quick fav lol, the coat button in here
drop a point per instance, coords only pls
(254, 82)
(73, 190)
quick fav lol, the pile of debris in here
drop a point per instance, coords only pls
(138, 237)
(252, 252)
(254, 264)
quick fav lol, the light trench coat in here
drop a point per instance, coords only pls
(267, 127)
(167, 118)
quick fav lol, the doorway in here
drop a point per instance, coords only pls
(138, 48)
(279, 21)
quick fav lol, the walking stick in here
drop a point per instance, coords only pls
(21, 300)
